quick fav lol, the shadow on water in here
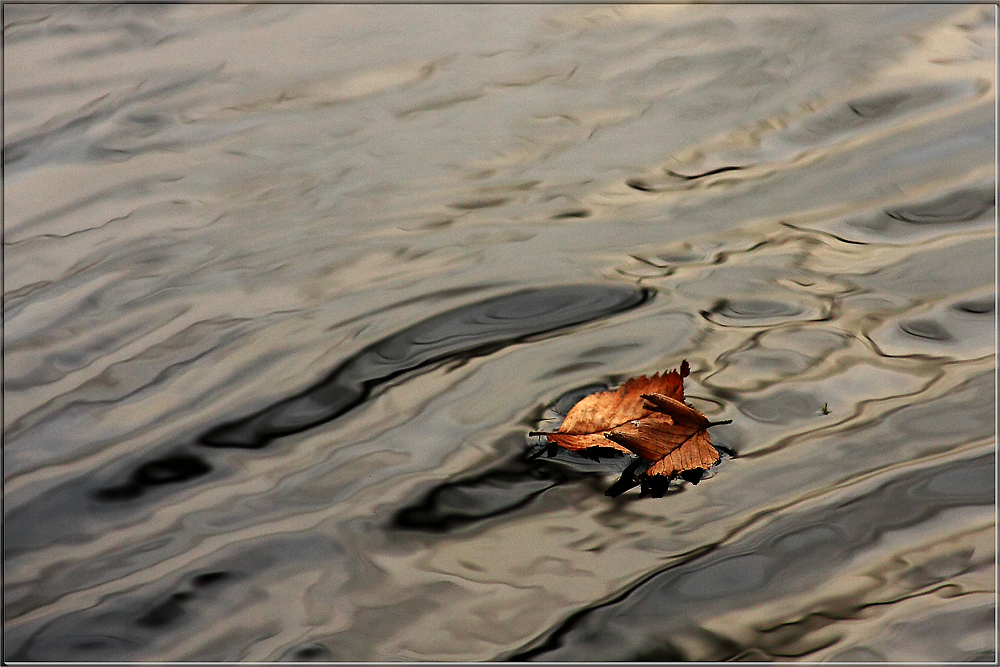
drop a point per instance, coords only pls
(472, 330)
(468, 501)
(469, 331)
(172, 469)
(477, 329)
(505, 487)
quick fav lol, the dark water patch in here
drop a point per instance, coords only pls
(461, 503)
(984, 305)
(957, 482)
(505, 487)
(462, 333)
(962, 328)
(877, 107)
(84, 505)
(673, 181)
(174, 608)
(308, 653)
(965, 205)
(640, 185)
(171, 469)
(168, 612)
(667, 258)
(477, 329)
(771, 563)
(438, 104)
(880, 107)
(927, 329)
(960, 206)
(752, 312)
(660, 265)
(575, 213)
(208, 579)
(476, 204)
(135, 620)
(711, 172)
(749, 309)
(573, 368)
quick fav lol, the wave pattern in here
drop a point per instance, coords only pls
(278, 319)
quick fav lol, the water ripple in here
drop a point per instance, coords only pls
(465, 332)
(275, 329)
(658, 619)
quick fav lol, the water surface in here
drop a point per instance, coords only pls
(286, 287)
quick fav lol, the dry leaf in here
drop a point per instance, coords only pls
(646, 416)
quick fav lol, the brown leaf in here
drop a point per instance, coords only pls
(696, 452)
(646, 416)
(652, 438)
(587, 422)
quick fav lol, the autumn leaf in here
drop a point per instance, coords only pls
(646, 416)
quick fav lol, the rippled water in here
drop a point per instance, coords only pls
(286, 287)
